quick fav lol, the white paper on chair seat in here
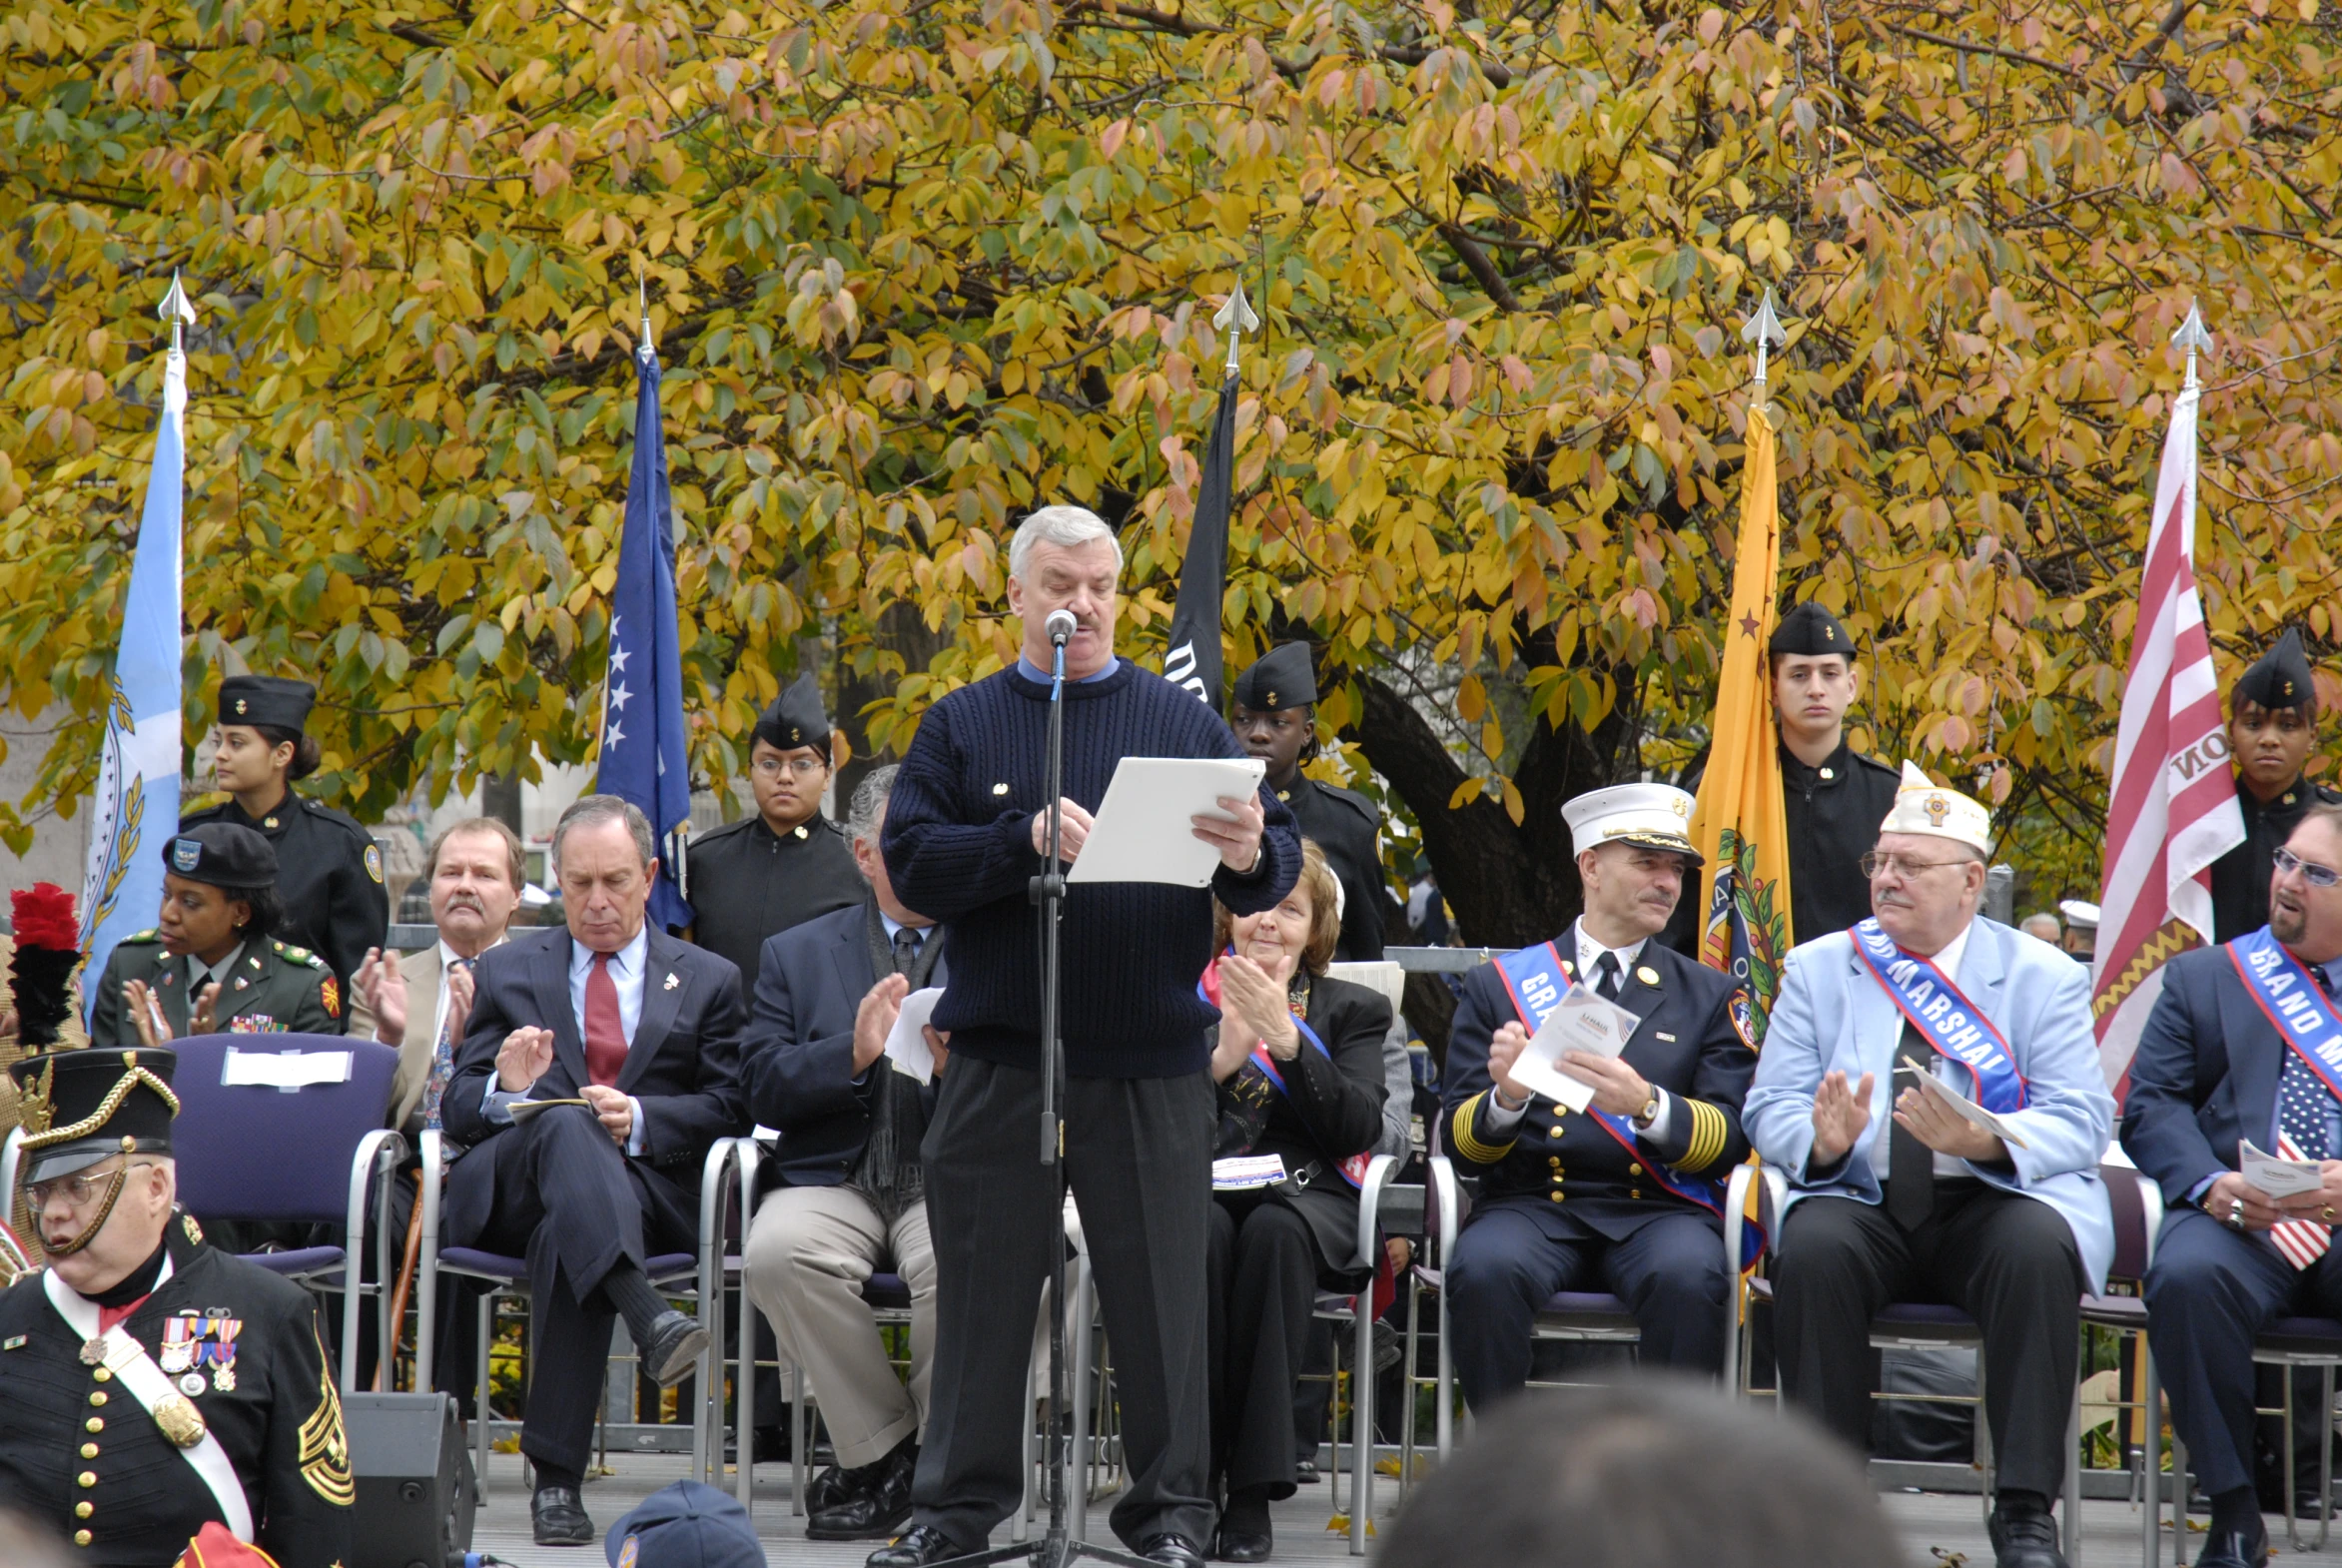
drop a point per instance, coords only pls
(283, 1069)
(906, 1045)
(1243, 1173)
(1141, 833)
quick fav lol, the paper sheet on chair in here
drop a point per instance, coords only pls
(2275, 1177)
(1581, 1021)
(1141, 832)
(283, 1069)
(906, 1044)
(1965, 1108)
(1243, 1173)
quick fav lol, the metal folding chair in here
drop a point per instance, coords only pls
(301, 1156)
(703, 1274)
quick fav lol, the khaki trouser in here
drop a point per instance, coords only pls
(809, 1253)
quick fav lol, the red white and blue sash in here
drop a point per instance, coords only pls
(1945, 1017)
(1353, 1169)
(1536, 980)
(2295, 1003)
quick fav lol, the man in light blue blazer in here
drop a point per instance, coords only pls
(1895, 1195)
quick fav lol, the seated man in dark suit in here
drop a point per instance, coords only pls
(852, 1194)
(1626, 1197)
(2213, 1071)
(645, 1030)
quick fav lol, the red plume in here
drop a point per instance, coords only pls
(45, 916)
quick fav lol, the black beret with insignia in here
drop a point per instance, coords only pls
(1810, 629)
(1282, 678)
(61, 1095)
(796, 719)
(267, 699)
(2280, 680)
(221, 855)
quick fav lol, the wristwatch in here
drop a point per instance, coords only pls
(1504, 1101)
(1650, 1112)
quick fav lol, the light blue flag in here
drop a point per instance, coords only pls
(137, 803)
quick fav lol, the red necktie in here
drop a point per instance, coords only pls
(605, 1031)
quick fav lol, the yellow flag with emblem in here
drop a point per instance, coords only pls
(1741, 823)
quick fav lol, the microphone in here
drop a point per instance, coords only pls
(1061, 627)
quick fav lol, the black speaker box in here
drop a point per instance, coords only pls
(414, 1483)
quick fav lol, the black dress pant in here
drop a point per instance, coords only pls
(571, 1202)
(2007, 1261)
(1262, 1274)
(2209, 1292)
(1515, 1253)
(1139, 1155)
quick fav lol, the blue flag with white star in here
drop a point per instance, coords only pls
(645, 757)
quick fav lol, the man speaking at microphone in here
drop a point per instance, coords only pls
(964, 836)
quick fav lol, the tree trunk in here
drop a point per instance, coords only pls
(901, 632)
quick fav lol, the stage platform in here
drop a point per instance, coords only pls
(1941, 1528)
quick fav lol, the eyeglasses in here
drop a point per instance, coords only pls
(76, 1191)
(803, 767)
(1874, 863)
(2315, 875)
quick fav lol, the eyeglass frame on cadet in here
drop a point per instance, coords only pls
(803, 767)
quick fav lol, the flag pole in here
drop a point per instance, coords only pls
(1235, 318)
(2191, 337)
(1763, 330)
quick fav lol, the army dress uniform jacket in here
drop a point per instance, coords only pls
(273, 987)
(1346, 828)
(329, 875)
(749, 883)
(80, 1454)
(1691, 1043)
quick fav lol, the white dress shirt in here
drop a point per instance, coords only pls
(1947, 960)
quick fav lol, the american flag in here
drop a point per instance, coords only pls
(2172, 811)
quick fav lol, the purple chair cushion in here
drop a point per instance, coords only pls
(258, 1153)
(298, 1260)
(2322, 1332)
(1924, 1314)
(1588, 1303)
(888, 1292)
(665, 1268)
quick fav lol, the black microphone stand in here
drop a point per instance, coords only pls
(1056, 1545)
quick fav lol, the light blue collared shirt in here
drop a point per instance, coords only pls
(626, 973)
(1034, 672)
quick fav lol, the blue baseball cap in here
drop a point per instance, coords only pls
(686, 1525)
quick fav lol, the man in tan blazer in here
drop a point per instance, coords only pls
(419, 1001)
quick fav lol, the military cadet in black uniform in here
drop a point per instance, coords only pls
(154, 1384)
(757, 877)
(330, 871)
(2272, 723)
(1835, 796)
(1273, 717)
(213, 963)
(1628, 1203)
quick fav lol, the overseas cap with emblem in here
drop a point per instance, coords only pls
(221, 855)
(1810, 629)
(267, 699)
(1928, 808)
(2281, 678)
(685, 1525)
(1282, 678)
(796, 719)
(2080, 914)
(1648, 816)
(79, 1107)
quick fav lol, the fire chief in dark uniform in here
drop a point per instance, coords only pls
(329, 870)
(154, 1384)
(1273, 716)
(2272, 723)
(757, 877)
(1835, 796)
(1623, 1196)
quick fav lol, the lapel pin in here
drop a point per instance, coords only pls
(672, 982)
(1664, 1034)
(1646, 975)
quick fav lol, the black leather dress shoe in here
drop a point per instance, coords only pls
(558, 1518)
(1170, 1550)
(832, 1486)
(879, 1504)
(2024, 1536)
(674, 1347)
(2236, 1548)
(1244, 1544)
(925, 1544)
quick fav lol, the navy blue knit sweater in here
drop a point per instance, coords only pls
(959, 849)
